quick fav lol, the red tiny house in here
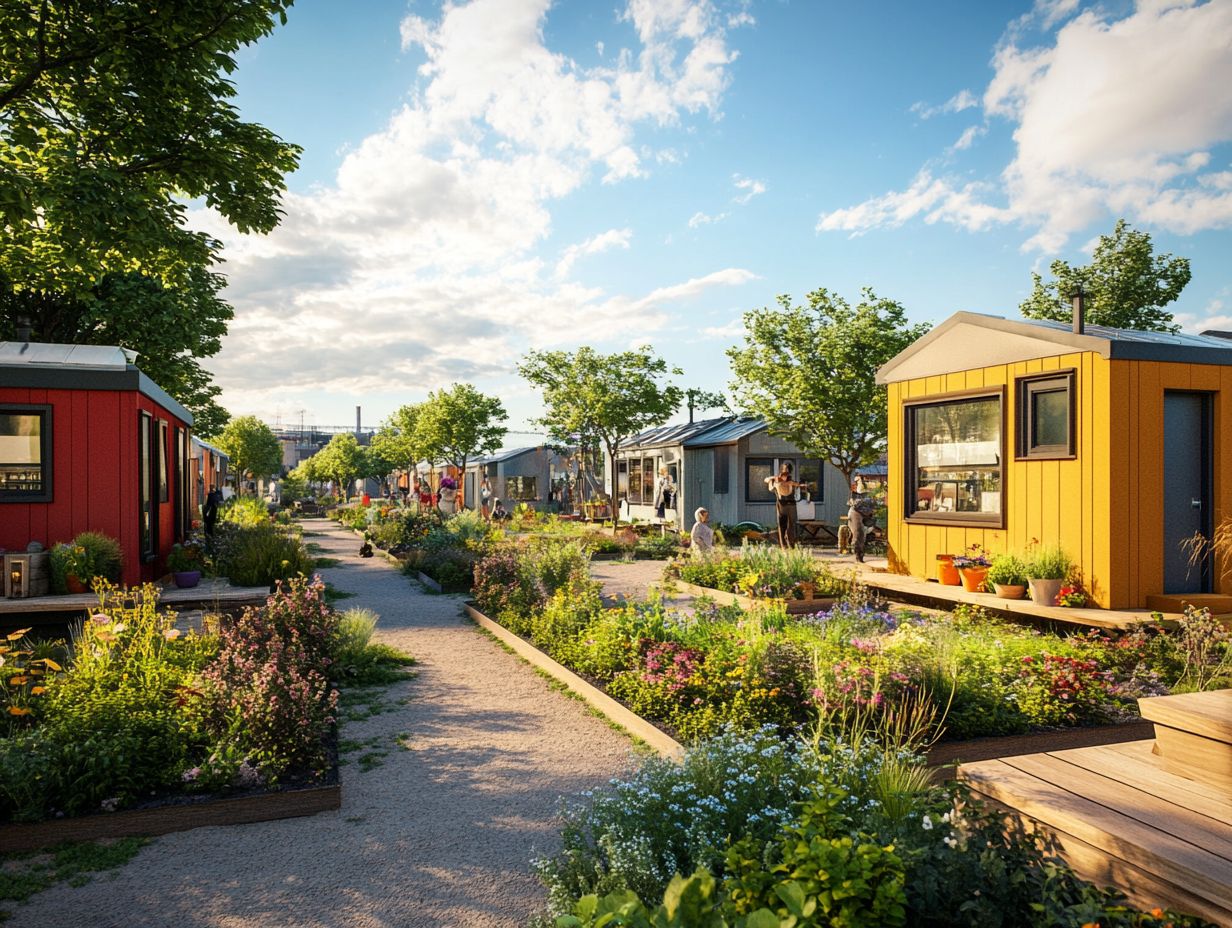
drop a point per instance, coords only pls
(109, 442)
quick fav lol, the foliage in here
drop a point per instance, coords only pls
(187, 556)
(1048, 562)
(342, 461)
(23, 875)
(357, 661)
(396, 437)
(28, 667)
(258, 555)
(113, 117)
(1205, 646)
(268, 701)
(1056, 690)
(1126, 285)
(245, 511)
(89, 555)
(591, 397)
(765, 571)
(251, 447)
(457, 424)
(810, 373)
(1008, 570)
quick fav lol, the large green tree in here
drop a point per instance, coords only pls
(342, 461)
(251, 447)
(590, 396)
(1126, 285)
(457, 424)
(810, 372)
(114, 115)
(396, 437)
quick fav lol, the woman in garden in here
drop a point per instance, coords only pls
(701, 539)
(784, 490)
(485, 499)
(665, 493)
(447, 497)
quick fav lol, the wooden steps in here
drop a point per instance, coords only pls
(1152, 818)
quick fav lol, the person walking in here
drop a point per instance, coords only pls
(701, 539)
(784, 489)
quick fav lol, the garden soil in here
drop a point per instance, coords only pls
(449, 790)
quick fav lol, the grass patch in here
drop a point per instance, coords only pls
(23, 875)
(372, 760)
(333, 594)
(322, 563)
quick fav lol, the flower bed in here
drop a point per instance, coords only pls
(694, 673)
(761, 572)
(133, 712)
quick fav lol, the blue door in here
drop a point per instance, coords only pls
(1187, 489)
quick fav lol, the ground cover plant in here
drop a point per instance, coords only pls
(695, 671)
(762, 571)
(131, 710)
(844, 828)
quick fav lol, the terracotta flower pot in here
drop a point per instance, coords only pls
(74, 584)
(947, 573)
(1010, 590)
(973, 578)
(1045, 592)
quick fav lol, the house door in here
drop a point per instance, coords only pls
(1187, 488)
(469, 493)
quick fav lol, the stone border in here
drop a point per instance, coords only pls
(943, 754)
(174, 816)
(609, 707)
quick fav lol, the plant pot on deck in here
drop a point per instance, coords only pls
(1010, 590)
(1045, 592)
(973, 578)
(947, 573)
(73, 584)
(186, 579)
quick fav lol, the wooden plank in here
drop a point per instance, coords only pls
(1135, 764)
(1158, 814)
(977, 749)
(1111, 832)
(1208, 714)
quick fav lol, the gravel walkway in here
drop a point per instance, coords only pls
(438, 834)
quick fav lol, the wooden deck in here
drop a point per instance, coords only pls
(1156, 826)
(211, 594)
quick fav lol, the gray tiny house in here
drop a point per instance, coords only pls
(519, 475)
(721, 465)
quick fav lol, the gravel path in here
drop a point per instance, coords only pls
(439, 834)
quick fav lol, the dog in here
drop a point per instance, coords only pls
(365, 550)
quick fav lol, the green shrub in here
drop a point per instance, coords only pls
(260, 554)
(1048, 562)
(105, 555)
(247, 511)
(1008, 570)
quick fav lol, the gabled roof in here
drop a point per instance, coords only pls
(967, 341)
(502, 456)
(721, 431)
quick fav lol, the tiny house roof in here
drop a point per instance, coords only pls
(47, 366)
(721, 431)
(500, 457)
(967, 341)
(199, 443)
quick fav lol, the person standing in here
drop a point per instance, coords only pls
(485, 499)
(447, 497)
(784, 490)
(701, 539)
(665, 493)
(860, 511)
(209, 511)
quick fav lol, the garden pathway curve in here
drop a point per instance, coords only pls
(440, 834)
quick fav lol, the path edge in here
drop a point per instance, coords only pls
(633, 723)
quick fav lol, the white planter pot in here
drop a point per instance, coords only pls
(1045, 592)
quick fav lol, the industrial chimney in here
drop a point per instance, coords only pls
(358, 429)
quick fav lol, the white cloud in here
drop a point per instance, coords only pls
(934, 199)
(968, 137)
(963, 100)
(699, 219)
(421, 263)
(748, 188)
(1214, 316)
(728, 331)
(1106, 123)
(605, 241)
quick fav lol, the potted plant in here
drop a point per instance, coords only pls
(1008, 576)
(185, 563)
(1047, 569)
(947, 573)
(973, 568)
(71, 567)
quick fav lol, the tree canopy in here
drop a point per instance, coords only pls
(456, 424)
(590, 396)
(396, 437)
(251, 446)
(114, 114)
(810, 372)
(1126, 285)
(342, 461)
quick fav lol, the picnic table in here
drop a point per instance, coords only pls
(816, 532)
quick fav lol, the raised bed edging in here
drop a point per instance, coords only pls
(165, 819)
(945, 753)
(613, 710)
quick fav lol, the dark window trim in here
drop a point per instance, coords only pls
(776, 462)
(46, 494)
(164, 463)
(147, 480)
(948, 519)
(722, 486)
(818, 495)
(1024, 388)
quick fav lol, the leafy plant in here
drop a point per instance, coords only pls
(1007, 570)
(185, 557)
(1048, 562)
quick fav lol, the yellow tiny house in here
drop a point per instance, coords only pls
(1111, 443)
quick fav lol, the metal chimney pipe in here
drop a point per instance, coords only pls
(358, 427)
(1080, 319)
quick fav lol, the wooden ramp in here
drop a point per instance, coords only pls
(1123, 816)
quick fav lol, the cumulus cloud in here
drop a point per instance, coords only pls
(421, 262)
(963, 100)
(748, 188)
(1105, 122)
(699, 219)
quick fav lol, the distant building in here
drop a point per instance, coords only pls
(520, 475)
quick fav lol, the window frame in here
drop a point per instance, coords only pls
(775, 463)
(164, 467)
(519, 480)
(818, 495)
(634, 495)
(147, 491)
(911, 470)
(1025, 389)
(46, 444)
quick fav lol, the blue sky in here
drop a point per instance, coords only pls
(488, 177)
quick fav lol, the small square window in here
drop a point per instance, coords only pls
(1046, 416)
(25, 454)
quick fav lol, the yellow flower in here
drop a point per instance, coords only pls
(18, 710)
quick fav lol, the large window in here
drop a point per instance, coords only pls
(622, 479)
(722, 470)
(812, 472)
(635, 480)
(146, 437)
(756, 470)
(521, 488)
(164, 491)
(649, 475)
(25, 453)
(1046, 416)
(955, 460)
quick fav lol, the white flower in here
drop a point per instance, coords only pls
(927, 823)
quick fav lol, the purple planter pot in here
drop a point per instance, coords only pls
(186, 579)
